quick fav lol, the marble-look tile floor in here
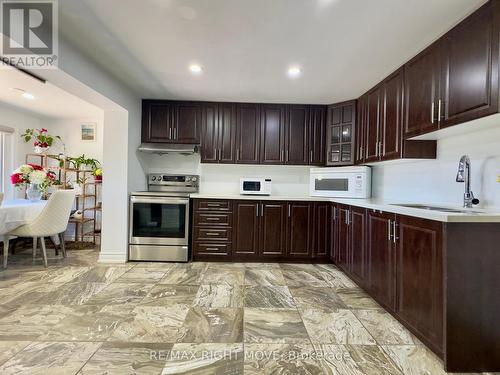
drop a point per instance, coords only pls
(83, 317)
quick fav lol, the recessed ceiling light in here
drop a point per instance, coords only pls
(27, 95)
(294, 72)
(195, 68)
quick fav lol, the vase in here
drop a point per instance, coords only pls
(33, 192)
(40, 149)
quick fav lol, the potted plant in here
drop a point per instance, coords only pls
(98, 174)
(34, 178)
(81, 160)
(43, 140)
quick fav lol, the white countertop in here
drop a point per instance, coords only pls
(473, 215)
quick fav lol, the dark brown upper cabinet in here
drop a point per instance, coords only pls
(187, 122)
(248, 133)
(157, 121)
(218, 133)
(317, 122)
(372, 129)
(391, 116)
(422, 75)
(360, 138)
(272, 136)
(469, 79)
(297, 135)
(455, 79)
(340, 126)
(171, 121)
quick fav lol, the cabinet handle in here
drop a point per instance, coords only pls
(347, 218)
(334, 213)
(213, 204)
(262, 209)
(282, 156)
(310, 156)
(289, 210)
(439, 111)
(175, 133)
(389, 230)
(287, 155)
(213, 219)
(257, 213)
(432, 112)
(381, 147)
(170, 133)
(212, 249)
(394, 229)
(212, 234)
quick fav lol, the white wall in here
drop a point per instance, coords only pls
(433, 181)
(225, 179)
(16, 149)
(69, 131)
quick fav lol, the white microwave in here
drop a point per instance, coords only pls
(255, 186)
(341, 182)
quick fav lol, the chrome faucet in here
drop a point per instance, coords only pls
(463, 175)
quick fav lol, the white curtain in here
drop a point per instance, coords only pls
(5, 156)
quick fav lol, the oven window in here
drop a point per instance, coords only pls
(159, 220)
(332, 184)
(251, 186)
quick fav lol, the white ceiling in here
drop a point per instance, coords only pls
(245, 46)
(49, 101)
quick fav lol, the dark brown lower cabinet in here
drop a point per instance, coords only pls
(322, 232)
(380, 265)
(343, 239)
(246, 228)
(272, 229)
(358, 244)
(419, 267)
(299, 229)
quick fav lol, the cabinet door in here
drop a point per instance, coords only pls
(247, 133)
(209, 133)
(246, 228)
(470, 74)
(421, 91)
(392, 116)
(157, 118)
(297, 137)
(358, 244)
(334, 232)
(187, 122)
(299, 229)
(381, 258)
(322, 230)
(420, 276)
(273, 229)
(227, 133)
(360, 138)
(343, 240)
(341, 120)
(372, 129)
(272, 138)
(317, 124)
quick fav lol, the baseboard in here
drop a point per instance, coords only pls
(112, 258)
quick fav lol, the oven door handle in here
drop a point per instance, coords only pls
(165, 200)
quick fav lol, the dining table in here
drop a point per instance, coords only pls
(17, 212)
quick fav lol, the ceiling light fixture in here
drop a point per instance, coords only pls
(195, 68)
(294, 72)
(27, 95)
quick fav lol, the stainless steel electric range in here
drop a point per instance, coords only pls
(159, 218)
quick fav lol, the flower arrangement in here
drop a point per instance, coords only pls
(28, 174)
(43, 140)
(98, 174)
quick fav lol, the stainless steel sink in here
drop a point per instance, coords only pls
(437, 208)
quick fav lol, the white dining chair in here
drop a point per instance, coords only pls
(52, 221)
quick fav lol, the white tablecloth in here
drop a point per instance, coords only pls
(17, 212)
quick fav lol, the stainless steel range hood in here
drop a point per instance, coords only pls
(163, 148)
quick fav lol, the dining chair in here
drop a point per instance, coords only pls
(52, 221)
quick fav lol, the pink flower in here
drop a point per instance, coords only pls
(43, 130)
(36, 167)
(16, 178)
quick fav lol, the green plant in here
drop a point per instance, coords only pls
(82, 160)
(41, 136)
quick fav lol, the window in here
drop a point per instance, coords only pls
(5, 156)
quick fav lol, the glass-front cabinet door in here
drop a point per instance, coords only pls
(340, 133)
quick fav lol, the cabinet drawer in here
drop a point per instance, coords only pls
(212, 234)
(213, 205)
(202, 248)
(213, 219)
